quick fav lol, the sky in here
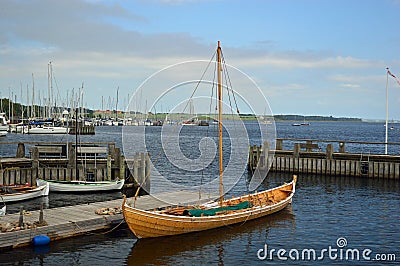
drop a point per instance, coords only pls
(308, 57)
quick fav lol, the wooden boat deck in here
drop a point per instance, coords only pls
(69, 221)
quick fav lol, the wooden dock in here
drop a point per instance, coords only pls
(70, 221)
(89, 161)
(307, 157)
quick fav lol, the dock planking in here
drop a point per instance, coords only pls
(70, 221)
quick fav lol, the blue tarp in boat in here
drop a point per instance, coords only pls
(211, 212)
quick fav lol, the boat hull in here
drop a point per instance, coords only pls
(81, 186)
(147, 224)
(39, 191)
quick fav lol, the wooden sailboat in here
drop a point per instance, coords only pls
(180, 220)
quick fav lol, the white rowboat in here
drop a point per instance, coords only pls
(81, 186)
(25, 194)
(48, 130)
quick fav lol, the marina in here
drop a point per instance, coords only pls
(90, 232)
(112, 178)
(199, 133)
(353, 199)
(348, 204)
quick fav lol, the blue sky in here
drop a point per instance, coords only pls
(307, 57)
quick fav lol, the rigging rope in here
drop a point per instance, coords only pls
(174, 129)
(198, 83)
(229, 80)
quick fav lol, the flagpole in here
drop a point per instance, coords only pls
(387, 112)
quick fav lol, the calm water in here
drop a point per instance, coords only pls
(363, 211)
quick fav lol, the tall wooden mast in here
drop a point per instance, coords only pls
(219, 69)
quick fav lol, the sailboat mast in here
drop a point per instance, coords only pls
(221, 184)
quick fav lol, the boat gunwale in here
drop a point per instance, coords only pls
(230, 215)
(39, 191)
(27, 191)
(214, 218)
(84, 183)
(82, 186)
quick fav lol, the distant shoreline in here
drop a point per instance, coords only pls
(302, 118)
(18, 110)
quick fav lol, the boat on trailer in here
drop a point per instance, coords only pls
(188, 219)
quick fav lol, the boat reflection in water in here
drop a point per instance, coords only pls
(209, 247)
(92, 249)
(115, 248)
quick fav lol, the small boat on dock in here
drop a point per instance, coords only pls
(23, 192)
(82, 186)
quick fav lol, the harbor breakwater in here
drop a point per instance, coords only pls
(308, 157)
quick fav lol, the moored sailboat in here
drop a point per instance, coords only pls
(181, 220)
(3, 123)
(187, 219)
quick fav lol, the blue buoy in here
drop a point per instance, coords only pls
(40, 240)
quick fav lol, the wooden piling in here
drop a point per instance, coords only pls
(20, 150)
(122, 171)
(108, 176)
(146, 184)
(142, 171)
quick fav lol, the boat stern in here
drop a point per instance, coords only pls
(46, 189)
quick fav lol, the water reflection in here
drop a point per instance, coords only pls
(364, 211)
(208, 247)
(55, 200)
(91, 249)
(332, 184)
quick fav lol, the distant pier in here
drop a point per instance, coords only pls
(308, 157)
(83, 130)
(87, 161)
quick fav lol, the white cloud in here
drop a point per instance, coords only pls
(356, 79)
(301, 62)
(87, 41)
(351, 86)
